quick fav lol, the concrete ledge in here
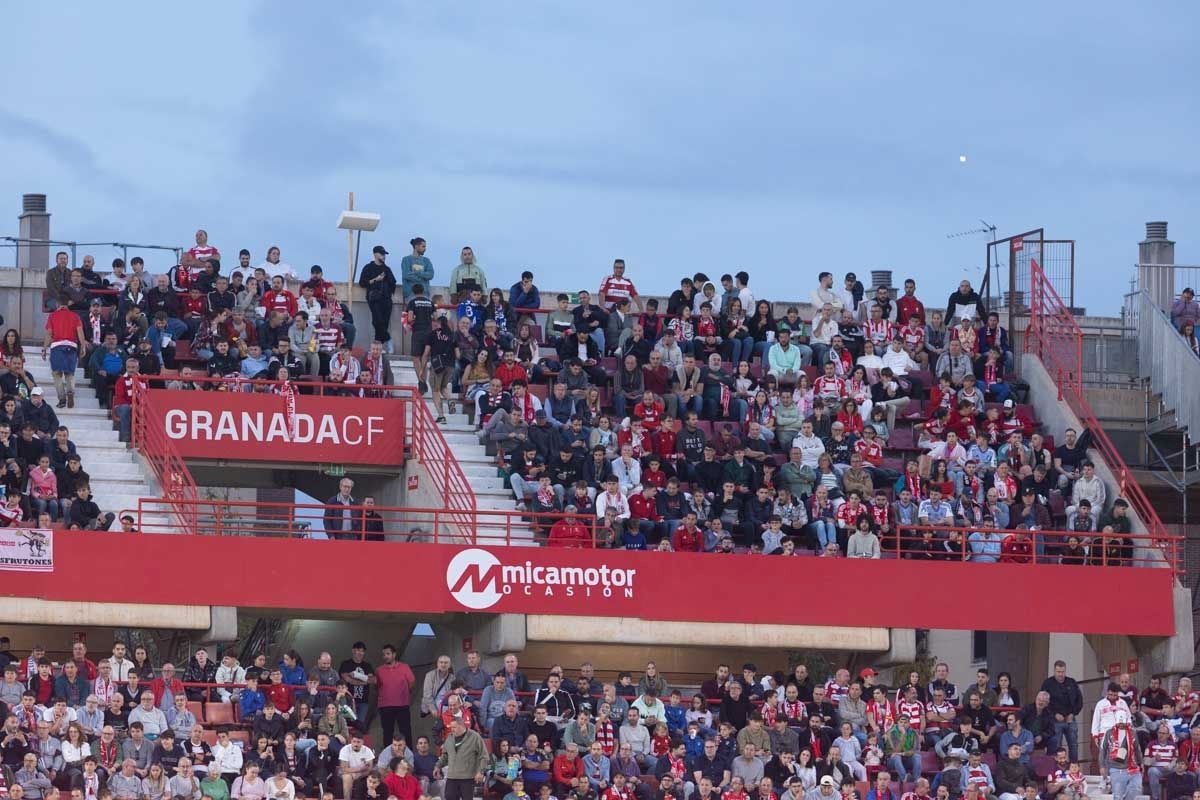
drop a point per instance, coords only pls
(32, 611)
(630, 630)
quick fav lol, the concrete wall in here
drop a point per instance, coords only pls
(542, 627)
(76, 615)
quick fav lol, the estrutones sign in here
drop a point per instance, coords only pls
(478, 580)
(263, 427)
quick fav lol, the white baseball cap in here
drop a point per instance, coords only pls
(37, 390)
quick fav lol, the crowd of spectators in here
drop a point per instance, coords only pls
(705, 421)
(122, 727)
(1185, 314)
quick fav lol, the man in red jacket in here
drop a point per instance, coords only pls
(569, 532)
(166, 684)
(567, 770)
(643, 507)
(688, 537)
(280, 299)
(123, 396)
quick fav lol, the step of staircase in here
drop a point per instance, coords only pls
(118, 477)
(491, 491)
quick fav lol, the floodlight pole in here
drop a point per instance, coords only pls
(350, 262)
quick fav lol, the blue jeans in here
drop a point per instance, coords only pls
(51, 506)
(598, 338)
(741, 348)
(620, 404)
(825, 530)
(760, 351)
(1070, 730)
(125, 418)
(907, 767)
(349, 332)
(695, 404)
(1124, 785)
(819, 352)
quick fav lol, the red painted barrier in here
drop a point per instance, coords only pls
(251, 426)
(437, 579)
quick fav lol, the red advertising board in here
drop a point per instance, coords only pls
(443, 578)
(252, 426)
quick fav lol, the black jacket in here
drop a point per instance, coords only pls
(568, 350)
(322, 765)
(1065, 697)
(166, 301)
(380, 290)
(198, 674)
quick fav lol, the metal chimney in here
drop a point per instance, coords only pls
(33, 224)
(1156, 262)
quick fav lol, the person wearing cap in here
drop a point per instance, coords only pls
(37, 411)
(64, 342)
(317, 283)
(826, 789)
(379, 282)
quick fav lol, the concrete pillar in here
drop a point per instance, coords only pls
(34, 223)
(1157, 249)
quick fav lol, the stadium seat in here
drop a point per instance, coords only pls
(218, 714)
(197, 709)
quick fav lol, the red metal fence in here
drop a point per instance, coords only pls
(174, 479)
(424, 443)
(1056, 338)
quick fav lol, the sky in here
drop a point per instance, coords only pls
(777, 137)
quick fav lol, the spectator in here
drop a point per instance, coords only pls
(379, 282)
(415, 268)
(65, 342)
(1185, 309)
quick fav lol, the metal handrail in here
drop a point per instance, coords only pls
(1056, 338)
(1168, 363)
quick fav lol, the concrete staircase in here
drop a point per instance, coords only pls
(118, 475)
(1096, 789)
(491, 492)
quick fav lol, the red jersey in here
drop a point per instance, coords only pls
(939, 399)
(848, 517)
(685, 540)
(881, 515)
(1006, 488)
(706, 327)
(1161, 754)
(279, 695)
(908, 307)
(566, 534)
(1016, 551)
(64, 326)
(193, 306)
(207, 252)
(829, 387)
(853, 423)
(663, 445)
(651, 415)
(614, 289)
(794, 711)
(613, 793)
(915, 711)
(642, 507)
(844, 360)
(507, 373)
(283, 300)
(654, 477)
(641, 445)
(913, 339)
(880, 332)
(123, 391)
(872, 452)
(732, 795)
(883, 715)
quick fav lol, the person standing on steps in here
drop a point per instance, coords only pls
(395, 681)
(419, 313)
(379, 282)
(65, 341)
(416, 268)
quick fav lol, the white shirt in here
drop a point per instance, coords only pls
(282, 268)
(747, 298)
(822, 296)
(228, 758)
(604, 502)
(899, 360)
(811, 449)
(1103, 717)
(356, 760)
(829, 329)
(120, 669)
(311, 307)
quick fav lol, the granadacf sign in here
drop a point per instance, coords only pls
(259, 427)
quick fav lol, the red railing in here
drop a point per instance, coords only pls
(1056, 338)
(174, 479)
(1102, 549)
(424, 441)
(301, 520)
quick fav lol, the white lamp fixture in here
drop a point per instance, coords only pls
(358, 221)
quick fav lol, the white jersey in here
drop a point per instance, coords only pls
(1106, 715)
